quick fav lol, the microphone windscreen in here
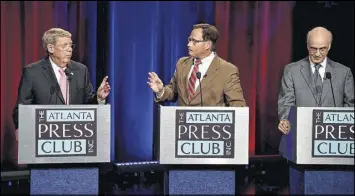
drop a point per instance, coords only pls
(198, 75)
(328, 75)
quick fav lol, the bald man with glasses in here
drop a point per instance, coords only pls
(304, 83)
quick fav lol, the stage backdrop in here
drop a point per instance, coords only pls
(126, 40)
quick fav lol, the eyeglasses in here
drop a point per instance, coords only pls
(195, 41)
(67, 46)
(322, 50)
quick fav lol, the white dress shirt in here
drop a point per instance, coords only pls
(203, 67)
(321, 69)
(56, 69)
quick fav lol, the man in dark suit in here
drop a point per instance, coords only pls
(304, 83)
(219, 78)
(57, 79)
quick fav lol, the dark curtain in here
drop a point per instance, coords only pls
(337, 16)
(256, 36)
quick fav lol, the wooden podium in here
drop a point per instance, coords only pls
(60, 143)
(320, 150)
(196, 138)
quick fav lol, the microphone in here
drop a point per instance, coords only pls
(68, 74)
(198, 75)
(328, 75)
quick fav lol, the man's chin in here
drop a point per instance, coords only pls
(67, 60)
(317, 60)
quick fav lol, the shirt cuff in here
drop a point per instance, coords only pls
(159, 95)
(101, 101)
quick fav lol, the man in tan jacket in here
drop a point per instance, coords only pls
(219, 79)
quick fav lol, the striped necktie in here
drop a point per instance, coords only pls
(193, 78)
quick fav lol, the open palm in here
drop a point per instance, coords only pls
(154, 82)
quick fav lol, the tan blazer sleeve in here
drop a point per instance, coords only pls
(170, 90)
(232, 90)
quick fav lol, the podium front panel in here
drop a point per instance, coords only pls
(204, 135)
(64, 134)
(321, 135)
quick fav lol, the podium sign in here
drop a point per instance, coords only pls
(320, 135)
(64, 134)
(204, 135)
(333, 133)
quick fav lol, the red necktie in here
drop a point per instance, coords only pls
(193, 78)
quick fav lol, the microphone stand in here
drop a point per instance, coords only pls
(67, 73)
(198, 75)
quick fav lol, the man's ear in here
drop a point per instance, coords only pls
(50, 48)
(208, 45)
(329, 46)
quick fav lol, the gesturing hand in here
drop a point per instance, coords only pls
(154, 82)
(104, 90)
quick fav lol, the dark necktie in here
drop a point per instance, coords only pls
(318, 83)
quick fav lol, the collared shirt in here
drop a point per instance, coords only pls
(56, 69)
(321, 69)
(203, 67)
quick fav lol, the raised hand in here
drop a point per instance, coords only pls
(104, 90)
(154, 82)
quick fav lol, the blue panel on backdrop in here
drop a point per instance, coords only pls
(145, 37)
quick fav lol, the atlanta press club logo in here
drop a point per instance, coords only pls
(63, 132)
(204, 134)
(333, 133)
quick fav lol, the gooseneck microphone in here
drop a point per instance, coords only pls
(68, 74)
(328, 75)
(198, 75)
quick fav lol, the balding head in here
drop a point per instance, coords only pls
(319, 33)
(319, 41)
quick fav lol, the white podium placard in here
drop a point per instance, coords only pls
(320, 136)
(204, 135)
(64, 134)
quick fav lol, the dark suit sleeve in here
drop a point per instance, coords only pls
(90, 96)
(233, 90)
(349, 89)
(25, 94)
(286, 95)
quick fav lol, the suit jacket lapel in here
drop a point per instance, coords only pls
(72, 83)
(326, 82)
(307, 75)
(185, 77)
(211, 73)
(52, 80)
